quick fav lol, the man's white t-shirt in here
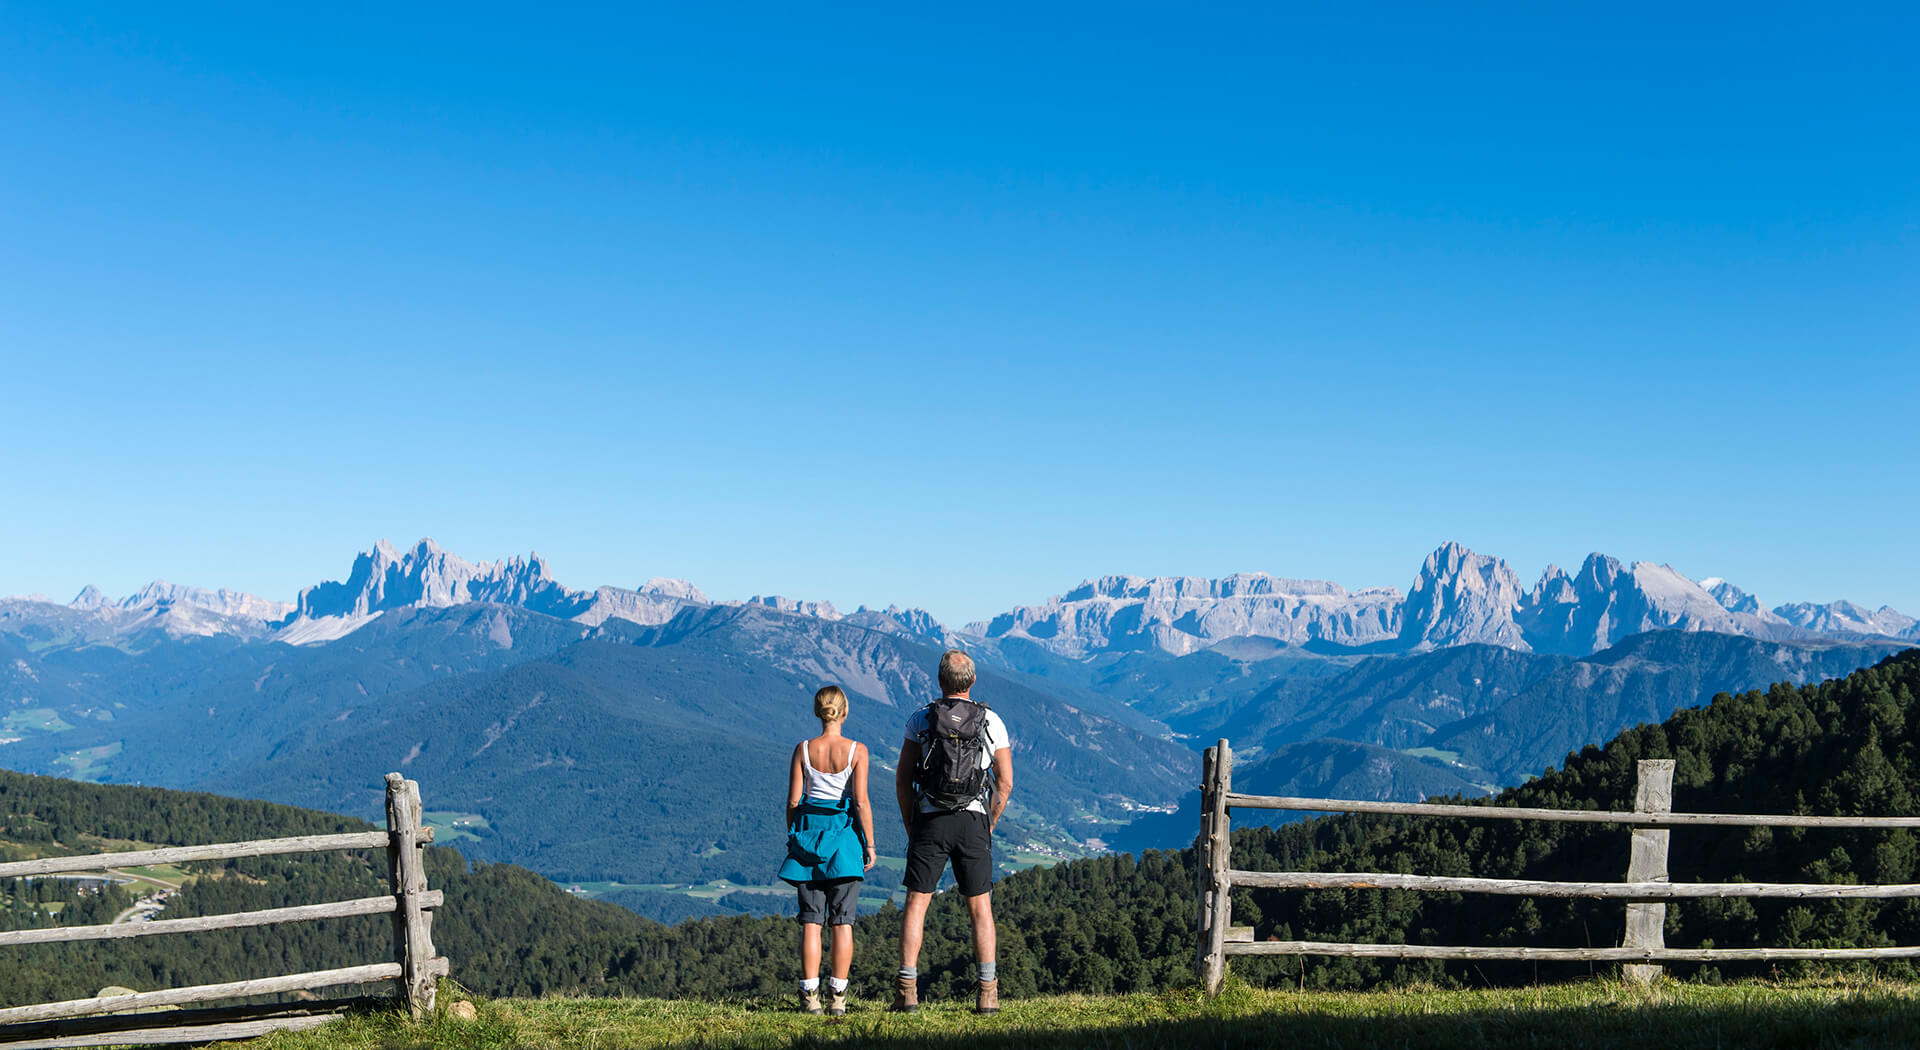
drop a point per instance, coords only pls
(997, 738)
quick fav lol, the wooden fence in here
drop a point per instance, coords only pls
(1645, 889)
(118, 1019)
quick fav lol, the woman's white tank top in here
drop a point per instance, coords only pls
(827, 785)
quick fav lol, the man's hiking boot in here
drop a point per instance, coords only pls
(989, 1001)
(810, 1000)
(836, 1002)
(906, 995)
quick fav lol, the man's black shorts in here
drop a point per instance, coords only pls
(962, 837)
(829, 903)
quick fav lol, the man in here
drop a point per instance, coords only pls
(943, 827)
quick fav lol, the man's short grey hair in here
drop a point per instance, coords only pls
(956, 672)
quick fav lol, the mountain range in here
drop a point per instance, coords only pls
(1458, 597)
(634, 735)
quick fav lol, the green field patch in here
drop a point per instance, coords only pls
(1449, 757)
(451, 826)
(168, 876)
(35, 720)
(83, 764)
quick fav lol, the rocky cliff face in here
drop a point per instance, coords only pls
(1731, 598)
(1608, 601)
(654, 602)
(1185, 614)
(384, 578)
(1461, 598)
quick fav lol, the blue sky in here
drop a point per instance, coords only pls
(954, 308)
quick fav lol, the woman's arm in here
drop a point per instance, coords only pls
(796, 784)
(866, 807)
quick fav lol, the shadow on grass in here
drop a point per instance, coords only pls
(1865, 1019)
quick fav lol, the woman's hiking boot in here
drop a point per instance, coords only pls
(836, 1002)
(906, 995)
(989, 1001)
(810, 1000)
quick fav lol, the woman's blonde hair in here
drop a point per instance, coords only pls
(830, 704)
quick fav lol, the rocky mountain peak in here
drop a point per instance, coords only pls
(1460, 597)
(1555, 587)
(90, 598)
(1731, 598)
(386, 578)
(1844, 617)
(822, 610)
(681, 590)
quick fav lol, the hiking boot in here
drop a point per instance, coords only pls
(989, 1001)
(906, 995)
(836, 1003)
(810, 1000)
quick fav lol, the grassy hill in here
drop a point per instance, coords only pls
(1591, 1014)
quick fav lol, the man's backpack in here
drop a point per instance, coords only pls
(950, 775)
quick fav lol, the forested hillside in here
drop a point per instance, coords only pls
(1111, 923)
(508, 930)
(1850, 746)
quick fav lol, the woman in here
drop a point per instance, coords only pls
(826, 859)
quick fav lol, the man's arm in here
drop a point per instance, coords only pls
(903, 780)
(1002, 785)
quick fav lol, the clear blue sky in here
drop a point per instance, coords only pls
(956, 307)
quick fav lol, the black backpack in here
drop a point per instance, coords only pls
(949, 775)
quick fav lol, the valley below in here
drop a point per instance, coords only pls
(632, 744)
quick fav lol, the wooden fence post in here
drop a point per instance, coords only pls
(1219, 841)
(412, 922)
(1647, 862)
(1203, 866)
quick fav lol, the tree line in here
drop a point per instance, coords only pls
(1109, 924)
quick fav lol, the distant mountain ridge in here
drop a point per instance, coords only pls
(1458, 597)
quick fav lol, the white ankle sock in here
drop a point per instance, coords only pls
(836, 984)
(810, 984)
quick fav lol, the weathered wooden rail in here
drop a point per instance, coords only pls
(116, 1019)
(1645, 888)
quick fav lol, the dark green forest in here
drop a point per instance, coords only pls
(1113, 923)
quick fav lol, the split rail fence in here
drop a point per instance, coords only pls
(132, 1018)
(1645, 890)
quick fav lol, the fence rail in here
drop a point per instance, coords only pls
(416, 969)
(1645, 888)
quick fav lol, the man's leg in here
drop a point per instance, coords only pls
(973, 870)
(912, 927)
(985, 944)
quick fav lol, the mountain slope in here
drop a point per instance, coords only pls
(1845, 747)
(662, 757)
(506, 930)
(1644, 679)
(186, 712)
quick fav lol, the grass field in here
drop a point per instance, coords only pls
(1583, 1015)
(35, 719)
(450, 826)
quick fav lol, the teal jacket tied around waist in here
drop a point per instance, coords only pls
(822, 845)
